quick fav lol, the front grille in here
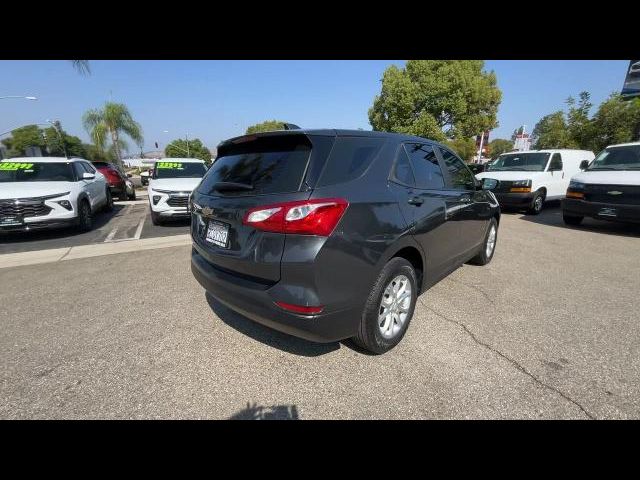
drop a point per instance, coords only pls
(613, 194)
(178, 201)
(23, 207)
(503, 186)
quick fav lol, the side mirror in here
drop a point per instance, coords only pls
(584, 164)
(489, 183)
(88, 176)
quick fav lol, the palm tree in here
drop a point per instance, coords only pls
(82, 66)
(112, 120)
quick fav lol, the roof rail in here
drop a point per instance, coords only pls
(290, 126)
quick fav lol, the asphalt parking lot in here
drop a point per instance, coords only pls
(549, 329)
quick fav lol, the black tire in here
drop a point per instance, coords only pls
(482, 258)
(133, 195)
(123, 195)
(369, 336)
(85, 218)
(571, 220)
(155, 218)
(536, 203)
(108, 207)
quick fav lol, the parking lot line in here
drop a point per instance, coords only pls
(112, 234)
(139, 229)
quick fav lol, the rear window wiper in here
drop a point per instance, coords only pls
(231, 186)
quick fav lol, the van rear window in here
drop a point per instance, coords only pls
(268, 164)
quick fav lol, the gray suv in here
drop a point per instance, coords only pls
(333, 234)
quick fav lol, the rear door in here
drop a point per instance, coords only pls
(418, 182)
(466, 207)
(276, 168)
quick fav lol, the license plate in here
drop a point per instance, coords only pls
(218, 234)
(608, 212)
(10, 221)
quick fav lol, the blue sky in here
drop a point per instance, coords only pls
(214, 100)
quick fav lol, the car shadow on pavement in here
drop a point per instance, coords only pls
(274, 412)
(268, 336)
(100, 219)
(551, 216)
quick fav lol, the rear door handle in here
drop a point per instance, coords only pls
(417, 201)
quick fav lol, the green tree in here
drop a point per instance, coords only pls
(616, 121)
(113, 120)
(579, 124)
(464, 147)
(57, 142)
(179, 148)
(516, 132)
(23, 138)
(552, 132)
(498, 146)
(266, 126)
(437, 99)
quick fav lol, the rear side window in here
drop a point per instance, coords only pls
(425, 165)
(461, 176)
(349, 159)
(402, 171)
(268, 164)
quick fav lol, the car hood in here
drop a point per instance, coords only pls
(33, 189)
(175, 184)
(519, 175)
(608, 177)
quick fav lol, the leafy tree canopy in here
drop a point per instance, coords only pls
(49, 140)
(266, 126)
(464, 147)
(437, 99)
(498, 146)
(194, 149)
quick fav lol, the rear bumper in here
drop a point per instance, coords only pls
(601, 211)
(255, 301)
(521, 200)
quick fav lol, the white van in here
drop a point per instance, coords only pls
(608, 189)
(527, 179)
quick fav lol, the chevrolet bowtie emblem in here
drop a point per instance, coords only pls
(614, 192)
(207, 211)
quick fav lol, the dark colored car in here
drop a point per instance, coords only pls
(117, 180)
(333, 234)
(477, 167)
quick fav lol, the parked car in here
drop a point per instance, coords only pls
(144, 177)
(527, 179)
(608, 188)
(333, 234)
(47, 192)
(118, 180)
(171, 185)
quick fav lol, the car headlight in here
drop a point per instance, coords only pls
(521, 183)
(573, 185)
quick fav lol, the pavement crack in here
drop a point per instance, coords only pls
(476, 288)
(510, 360)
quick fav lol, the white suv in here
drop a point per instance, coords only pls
(44, 192)
(170, 186)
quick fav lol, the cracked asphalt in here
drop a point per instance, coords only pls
(550, 329)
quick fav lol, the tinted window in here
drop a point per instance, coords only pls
(101, 164)
(402, 170)
(269, 164)
(349, 159)
(17, 171)
(78, 169)
(527, 162)
(618, 158)
(556, 162)
(88, 168)
(461, 176)
(425, 166)
(168, 169)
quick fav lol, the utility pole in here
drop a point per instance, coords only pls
(481, 145)
(187, 137)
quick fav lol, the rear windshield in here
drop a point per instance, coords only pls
(266, 165)
(179, 170)
(16, 171)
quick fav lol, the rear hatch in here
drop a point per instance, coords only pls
(253, 171)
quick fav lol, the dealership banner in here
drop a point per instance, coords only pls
(631, 88)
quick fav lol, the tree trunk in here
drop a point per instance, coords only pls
(116, 147)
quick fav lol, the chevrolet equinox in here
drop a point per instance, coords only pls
(333, 234)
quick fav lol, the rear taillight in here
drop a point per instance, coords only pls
(112, 176)
(306, 217)
(304, 310)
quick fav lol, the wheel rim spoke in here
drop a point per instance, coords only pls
(394, 306)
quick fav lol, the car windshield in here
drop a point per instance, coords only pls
(179, 170)
(529, 162)
(617, 158)
(17, 171)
